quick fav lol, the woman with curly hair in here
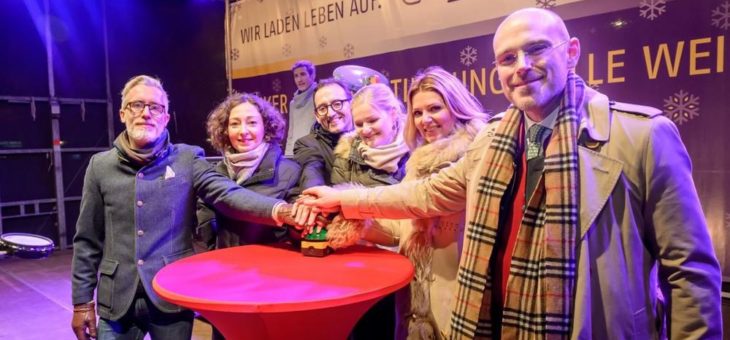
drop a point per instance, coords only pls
(247, 131)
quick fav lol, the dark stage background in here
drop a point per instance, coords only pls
(674, 59)
(181, 42)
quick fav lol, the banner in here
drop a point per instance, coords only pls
(269, 36)
(669, 55)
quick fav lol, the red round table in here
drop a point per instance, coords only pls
(261, 292)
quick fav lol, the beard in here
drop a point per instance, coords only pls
(143, 136)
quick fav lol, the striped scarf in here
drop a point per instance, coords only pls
(539, 296)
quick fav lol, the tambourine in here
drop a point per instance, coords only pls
(27, 246)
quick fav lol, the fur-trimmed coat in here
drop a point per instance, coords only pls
(423, 308)
(349, 170)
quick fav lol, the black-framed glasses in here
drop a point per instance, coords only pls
(336, 105)
(137, 107)
(532, 51)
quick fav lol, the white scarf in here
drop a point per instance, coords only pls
(384, 157)
(241, 166)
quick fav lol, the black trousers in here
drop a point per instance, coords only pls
(378, 322)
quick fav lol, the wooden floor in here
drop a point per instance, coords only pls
(35, 299)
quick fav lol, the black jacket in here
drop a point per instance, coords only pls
(314, 152)
(274, 177)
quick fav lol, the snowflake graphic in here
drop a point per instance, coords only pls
(235, 53)
(651, 9)
(276, 85)
(286, 50)
(468, 55)
(721, 16)
(322, 42)
(385, 73)
(682, 107)
(545, 3)
(348, 50)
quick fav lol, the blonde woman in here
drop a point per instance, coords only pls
(375, 152)
(442, 120)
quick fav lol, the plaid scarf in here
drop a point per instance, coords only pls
(540, 288)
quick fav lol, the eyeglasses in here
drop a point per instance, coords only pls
(335, 105)
(137, 107)
(533, 51)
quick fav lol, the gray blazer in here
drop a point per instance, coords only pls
(135, 220)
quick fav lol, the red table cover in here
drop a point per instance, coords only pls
(272, 292)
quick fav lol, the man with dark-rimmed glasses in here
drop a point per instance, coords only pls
(314, 151)
(137, 215)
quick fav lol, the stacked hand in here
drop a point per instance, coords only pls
(286, 213)
(312, 206)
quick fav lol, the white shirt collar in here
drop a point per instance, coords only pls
(548, 122)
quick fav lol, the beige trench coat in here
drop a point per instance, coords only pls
(642, 225)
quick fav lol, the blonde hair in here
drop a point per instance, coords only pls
(147, 81)
(380, 97)
(461, 103)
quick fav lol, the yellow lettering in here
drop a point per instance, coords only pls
(694, 55)
(279, 100)
(663, 52)
(394, 83)
(493, 81)
(479, 81)
(720, 54)
(405, 89)
(284, 108)
(612, 65)
(591, 72)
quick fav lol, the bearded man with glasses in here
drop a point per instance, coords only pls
(137, 215)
